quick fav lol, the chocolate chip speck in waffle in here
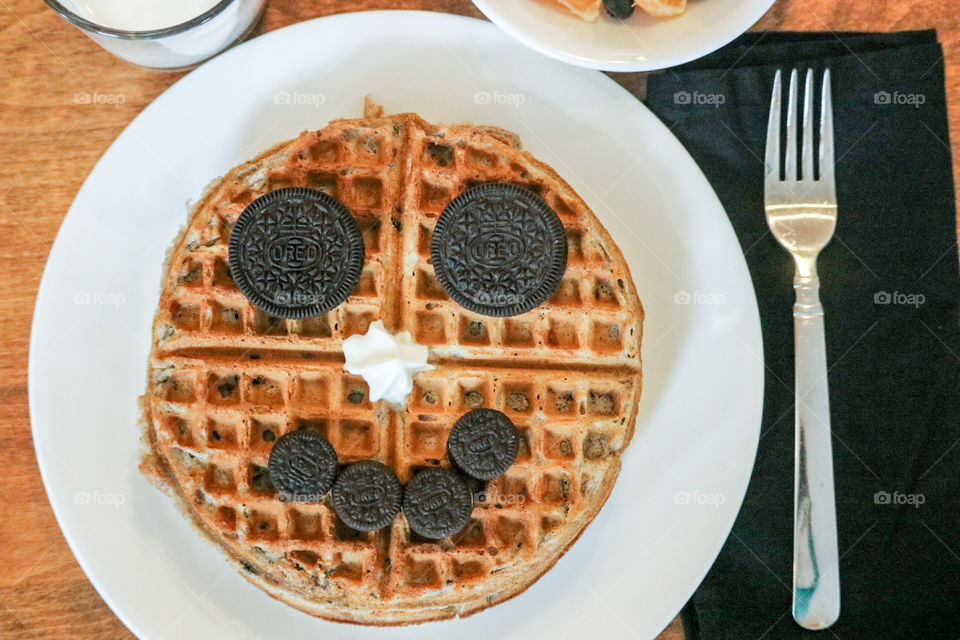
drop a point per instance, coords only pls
(226, 380)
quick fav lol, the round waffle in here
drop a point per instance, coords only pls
(226, 380)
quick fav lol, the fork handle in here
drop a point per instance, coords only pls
(816, 570)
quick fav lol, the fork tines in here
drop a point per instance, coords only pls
(825, 164)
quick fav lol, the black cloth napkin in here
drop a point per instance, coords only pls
(890, 289)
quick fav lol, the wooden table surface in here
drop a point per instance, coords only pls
(48, 145)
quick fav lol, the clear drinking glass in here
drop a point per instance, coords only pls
(177, 46)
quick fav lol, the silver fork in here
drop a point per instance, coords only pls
(802, 215)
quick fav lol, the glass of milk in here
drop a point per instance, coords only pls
(162, 34)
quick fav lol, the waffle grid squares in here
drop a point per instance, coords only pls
(587, 313)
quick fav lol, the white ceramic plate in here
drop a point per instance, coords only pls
(640, 43)
(685, 473)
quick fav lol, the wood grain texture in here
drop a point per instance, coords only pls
(48, 145)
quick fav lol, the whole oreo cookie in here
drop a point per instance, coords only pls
(437, 503)
(296, 252)
(483, 443)
(302, 466)
(499, 249)
(366, 495)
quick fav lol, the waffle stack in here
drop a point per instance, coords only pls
(226, 380)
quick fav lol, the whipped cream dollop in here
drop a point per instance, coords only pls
(386, 362)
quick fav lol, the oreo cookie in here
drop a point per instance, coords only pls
(302, 466)
(366, 495)
(437, 503)
(483, 443)
(499, 249)
(296, 252)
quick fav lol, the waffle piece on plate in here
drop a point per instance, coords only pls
(226, 380)
(588, 10)
(662, 7)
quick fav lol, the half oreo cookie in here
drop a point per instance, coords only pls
(437, 503)
(499, 249)
(483, 443)
(296, 252)
(302, 466)
(367, 495)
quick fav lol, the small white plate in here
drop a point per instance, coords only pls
(686, 471)
(639, 43)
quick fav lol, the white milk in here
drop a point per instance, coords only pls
(139, 15)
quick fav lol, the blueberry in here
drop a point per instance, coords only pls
(619, 9)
